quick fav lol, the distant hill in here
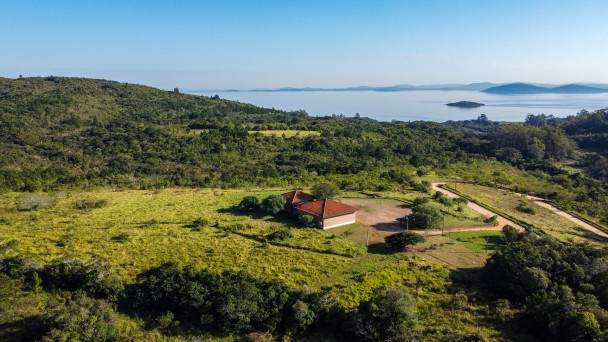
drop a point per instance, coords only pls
(577, 89)
(525, 88)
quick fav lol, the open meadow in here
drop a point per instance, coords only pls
(138, 229)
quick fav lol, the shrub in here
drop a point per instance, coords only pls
(250, 203)
(306, 221)
(492, 220)
(88, 204)
(399, 241)
(280, 234)
(525, 208)
(273, 204)
(420, 200)
(34, 202)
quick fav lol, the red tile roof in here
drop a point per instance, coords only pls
(297, 196)
(327, 208)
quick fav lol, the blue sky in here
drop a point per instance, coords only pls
(250, 44)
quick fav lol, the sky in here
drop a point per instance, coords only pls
(227, 44)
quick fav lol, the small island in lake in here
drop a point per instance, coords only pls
(465, 104)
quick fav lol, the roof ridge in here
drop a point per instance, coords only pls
(324, 204)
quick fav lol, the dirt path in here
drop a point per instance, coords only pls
(483, 211)
(543, 203)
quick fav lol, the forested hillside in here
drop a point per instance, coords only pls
(57, 132)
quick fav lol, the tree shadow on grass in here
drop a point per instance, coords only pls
(379, 248)
(237, 211)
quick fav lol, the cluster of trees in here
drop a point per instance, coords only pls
(560, 287)
(271, 205)
(189, 301)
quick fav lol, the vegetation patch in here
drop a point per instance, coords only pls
(479, 241)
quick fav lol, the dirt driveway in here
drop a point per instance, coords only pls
(381, 214)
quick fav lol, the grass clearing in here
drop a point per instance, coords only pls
(479, 241)
(287, 133)
(139, 229)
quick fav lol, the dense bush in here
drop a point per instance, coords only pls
(306, 221)
(399, 241)
(250, 203)
(94, 277)
(426, 216)
(280, 234)
(79, 318)
(561, 287)
(273, 204)
(389, 316)
(231, 302)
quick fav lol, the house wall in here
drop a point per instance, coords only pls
(339, 221)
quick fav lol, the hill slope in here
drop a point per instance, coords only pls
(524, 88)
(67, 131)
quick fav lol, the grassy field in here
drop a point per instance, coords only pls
(138, 229)
(288, 133)
(544, 219)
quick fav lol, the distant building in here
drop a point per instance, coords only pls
(326, 213)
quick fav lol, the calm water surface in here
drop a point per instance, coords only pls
(420, 105)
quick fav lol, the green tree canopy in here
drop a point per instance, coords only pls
(325, 190)
(426, 216)
(399, 241)
(273, 204)
(250, 203)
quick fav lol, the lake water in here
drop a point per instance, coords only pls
(419, 105)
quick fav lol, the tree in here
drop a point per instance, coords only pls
(250, 203)
(389, 316)
(273, 204)
(426, 216)
(510, 234)
(325, 190)
(399, 241)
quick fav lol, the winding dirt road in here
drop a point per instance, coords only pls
(539, 201)
(502, 221)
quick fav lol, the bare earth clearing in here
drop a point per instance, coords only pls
(381, 214)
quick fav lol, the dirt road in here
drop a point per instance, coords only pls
(483, 211)
(543, 203)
